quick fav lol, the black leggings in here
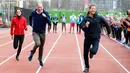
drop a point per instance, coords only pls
(118, 33)
(55, 26)
(79, 28)
(18, 41)
(127, 37)
(49, 27)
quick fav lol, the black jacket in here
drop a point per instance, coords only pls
(94, 29)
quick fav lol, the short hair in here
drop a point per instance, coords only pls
(18, 9)
(92, 5)
(39, 3)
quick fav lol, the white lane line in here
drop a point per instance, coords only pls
(4, 36)
(15, 54)
(11, 41)
(81, 60)
(49, 53)
(114, 58)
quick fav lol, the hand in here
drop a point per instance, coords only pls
(43, 15)
(26, 29)
(87, 24)
(12, 37)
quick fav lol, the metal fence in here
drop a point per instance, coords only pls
(7, 6)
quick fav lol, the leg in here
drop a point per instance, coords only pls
(15, 43)
(49, 27)
(56, 27)
(95, 45)
(62, 26)
(70, 27)
(126, 35)
(87, 44)
(36, 38)
(53, 26)
(21, 39)
(42, 39)
(65, 27)
(77, 28)
(73, 27)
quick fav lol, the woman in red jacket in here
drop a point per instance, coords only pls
(18, 25)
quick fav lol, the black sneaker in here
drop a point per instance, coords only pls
(41, 63)
(91, 55)
(86, 70)
(17, 58)
(30, 57)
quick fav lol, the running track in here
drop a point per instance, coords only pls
(63, 53)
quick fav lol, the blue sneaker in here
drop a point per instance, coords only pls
(41, 63)
(30, 57)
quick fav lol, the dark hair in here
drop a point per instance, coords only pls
(92, 5)
(18, 9)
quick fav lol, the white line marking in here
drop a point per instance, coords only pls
(118, 42)
(49, 53)
(15, 54)
(10, 41)
(4, 36)
(81, 60)
(114, 58)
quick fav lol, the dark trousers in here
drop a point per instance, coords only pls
(118, 33)
(18, 41)
(49, 27)
(63, 26)
(78, 28)
(113, 31)
(39, 39)
(127, 37)
(88, 41)
(55, 26)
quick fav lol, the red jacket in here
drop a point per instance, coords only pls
(18, 26)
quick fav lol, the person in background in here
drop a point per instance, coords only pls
(72, 22)
(55, 22)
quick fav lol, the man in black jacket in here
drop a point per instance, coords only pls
(91, 25)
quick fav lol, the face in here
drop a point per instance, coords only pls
(93, 10)
(39, 7)
(19, 13)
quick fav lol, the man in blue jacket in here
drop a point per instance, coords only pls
(38, 20)
(91, 25)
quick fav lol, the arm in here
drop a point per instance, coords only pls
(106, 25)
(30, 19)
(25, 25)
(83, 24)
(12, 29)
(48, 18)
(128, 23)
